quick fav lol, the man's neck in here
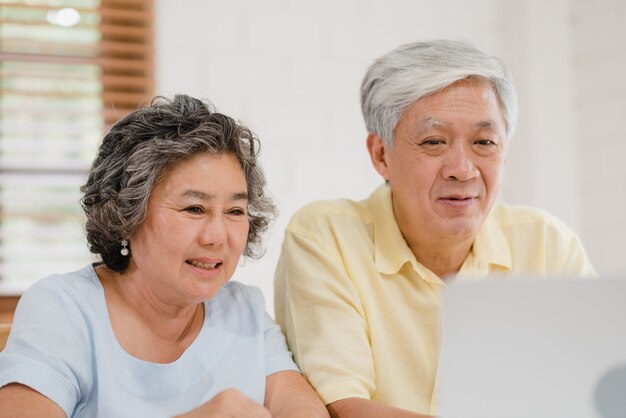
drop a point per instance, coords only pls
(442, 258)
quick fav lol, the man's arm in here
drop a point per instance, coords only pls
(320, 312)
(365, 408)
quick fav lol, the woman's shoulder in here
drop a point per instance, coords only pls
(79, 282)
(237, 298)
(72, 292)
(51, 344)
(241, 293)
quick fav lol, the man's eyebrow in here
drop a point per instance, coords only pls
(429, 123)
(488, 124)
(207, 196)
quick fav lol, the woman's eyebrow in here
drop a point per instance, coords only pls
(197, 194)
(240, 196)
(208, 196)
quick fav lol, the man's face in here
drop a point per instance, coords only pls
(446, 163)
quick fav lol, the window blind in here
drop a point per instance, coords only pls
(68, 69)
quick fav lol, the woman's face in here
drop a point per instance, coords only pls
(195, 229)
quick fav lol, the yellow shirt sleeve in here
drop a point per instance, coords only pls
(319, 310)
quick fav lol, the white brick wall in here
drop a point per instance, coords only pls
(599, 66)
(291, 70)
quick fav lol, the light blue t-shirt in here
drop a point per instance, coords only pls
(63, 346)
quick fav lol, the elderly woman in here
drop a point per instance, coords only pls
(173, 199)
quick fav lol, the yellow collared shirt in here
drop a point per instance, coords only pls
(361, 315)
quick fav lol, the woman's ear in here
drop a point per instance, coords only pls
(377, 149)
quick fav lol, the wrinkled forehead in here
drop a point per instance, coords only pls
(482, 89)
(474, 100)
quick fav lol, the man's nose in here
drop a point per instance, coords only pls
(459, 164)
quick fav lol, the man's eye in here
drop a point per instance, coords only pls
(485, 142)
(194, 209)
(432, 141)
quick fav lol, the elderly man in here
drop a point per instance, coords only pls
(358, 283)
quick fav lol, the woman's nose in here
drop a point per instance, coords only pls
(215, 231)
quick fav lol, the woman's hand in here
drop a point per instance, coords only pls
(229, 403)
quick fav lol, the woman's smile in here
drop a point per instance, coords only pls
(200, 264)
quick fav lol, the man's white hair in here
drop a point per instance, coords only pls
(403, 76)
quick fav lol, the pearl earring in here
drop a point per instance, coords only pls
(124, 251)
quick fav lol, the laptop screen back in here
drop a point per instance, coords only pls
(534, 348)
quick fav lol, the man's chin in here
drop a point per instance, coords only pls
(460, 228)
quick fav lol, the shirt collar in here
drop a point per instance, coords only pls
(490, 247)
(391, 251)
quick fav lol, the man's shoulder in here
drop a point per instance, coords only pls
(539, 242)
(325, 212)
(528, 218)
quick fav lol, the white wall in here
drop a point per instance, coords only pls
(599, 87)
(291, 70)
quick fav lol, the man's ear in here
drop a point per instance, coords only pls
(378, 154)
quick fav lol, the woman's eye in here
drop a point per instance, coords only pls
(194, 209)
(237, 212)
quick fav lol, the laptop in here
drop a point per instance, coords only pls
(540, 348)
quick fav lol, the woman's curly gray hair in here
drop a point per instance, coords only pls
(135, 155)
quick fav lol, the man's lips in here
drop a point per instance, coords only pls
(458, 200)
(457, 197)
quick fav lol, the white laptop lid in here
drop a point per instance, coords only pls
(534, 348)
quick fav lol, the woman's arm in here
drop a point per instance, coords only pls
(288, 395)
(19, 401)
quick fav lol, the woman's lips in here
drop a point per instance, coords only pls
(203, 265)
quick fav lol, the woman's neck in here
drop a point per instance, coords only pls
(142, 319)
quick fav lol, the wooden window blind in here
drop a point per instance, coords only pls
(68, 69)
(126, 54)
